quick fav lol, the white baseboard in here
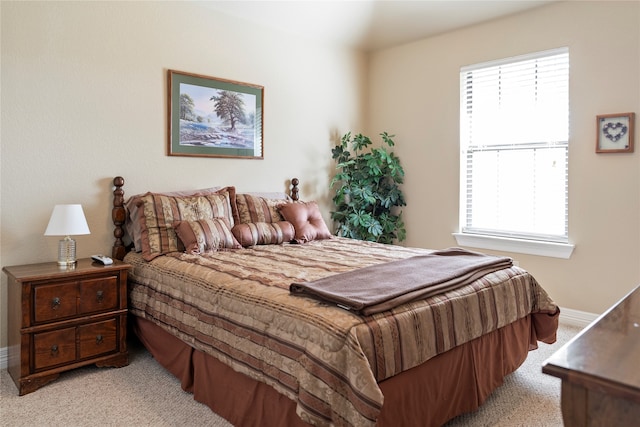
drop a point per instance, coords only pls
(567, 317)
(576, 317)
(4, 357)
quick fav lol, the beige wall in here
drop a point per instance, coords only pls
(414, 94)
(84, 100)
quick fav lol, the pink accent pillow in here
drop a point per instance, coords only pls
(205, 235)
(307, 221)
(263, 233)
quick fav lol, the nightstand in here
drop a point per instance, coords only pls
(62, 318)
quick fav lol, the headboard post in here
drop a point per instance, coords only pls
(294, 189)
(118, 215)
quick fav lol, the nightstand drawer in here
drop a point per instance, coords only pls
(98, 338)
(57, 301)
(99, 294)
(54, 348)
(64, 318)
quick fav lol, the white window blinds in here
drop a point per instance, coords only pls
(514, 122)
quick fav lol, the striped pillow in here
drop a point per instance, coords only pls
(205, 235)
(160, 212)
(253, 208)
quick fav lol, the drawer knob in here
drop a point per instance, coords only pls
(98, 339)
(54, 350)
(99, 296)
(55, 303)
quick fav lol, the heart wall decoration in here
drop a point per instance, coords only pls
(615, 133)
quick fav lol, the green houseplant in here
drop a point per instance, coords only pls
(367, 192)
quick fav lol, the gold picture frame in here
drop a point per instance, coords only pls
(214, 117)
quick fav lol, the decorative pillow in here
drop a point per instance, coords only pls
(256, 209)
(307, 221)
(205, 235)
(134, 212)
(263, 233)
(158, 236)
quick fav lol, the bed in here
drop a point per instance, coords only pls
(211, 298)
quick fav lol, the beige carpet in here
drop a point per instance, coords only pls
(144, 394)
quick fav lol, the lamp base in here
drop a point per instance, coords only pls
(67, 252)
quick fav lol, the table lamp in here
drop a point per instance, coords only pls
(67, 220)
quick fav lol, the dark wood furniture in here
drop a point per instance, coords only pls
(64, 318)
(600, 369)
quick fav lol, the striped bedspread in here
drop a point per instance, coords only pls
(236, 306)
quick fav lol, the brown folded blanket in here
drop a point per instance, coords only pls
(384, 286)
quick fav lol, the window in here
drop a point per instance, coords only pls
(514, 125)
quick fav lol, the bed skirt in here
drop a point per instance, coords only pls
(447, 385)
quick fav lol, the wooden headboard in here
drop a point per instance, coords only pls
(119, 214)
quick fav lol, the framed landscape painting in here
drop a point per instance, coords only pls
(212, 117)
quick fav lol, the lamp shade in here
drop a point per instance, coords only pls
(67, 220)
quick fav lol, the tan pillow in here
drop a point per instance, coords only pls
(263, 233)
(205, 235)
(307, 221)
(134, 212)
(159, 212)
(256, 209)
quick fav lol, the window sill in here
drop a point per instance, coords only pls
(531, 247)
